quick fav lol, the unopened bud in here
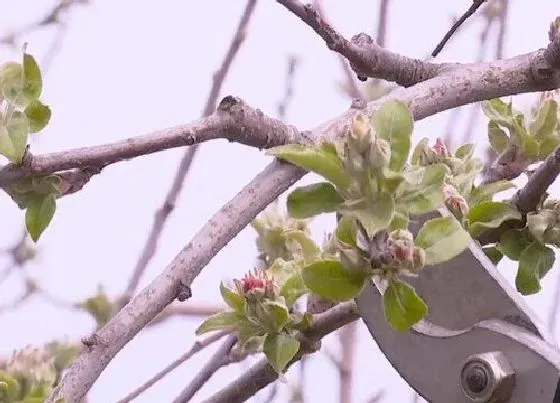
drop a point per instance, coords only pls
(402, 250)
(418, 258)
(380, 153)
(360, 134)
(440, 148)
(401, 234)
(454, 201)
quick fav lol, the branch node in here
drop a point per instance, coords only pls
(27, 160)
(92, 341)
(184, 291)
(358, 103)
(228, 102)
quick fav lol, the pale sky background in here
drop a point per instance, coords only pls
(127, 68)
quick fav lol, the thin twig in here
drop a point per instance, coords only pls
(289, 91)
(218, 360)
(262, 374)
(189, 310)
(382, 23)
(183, 169)
(472, 9)
(503, 20)
(198, 346)
(347, 336)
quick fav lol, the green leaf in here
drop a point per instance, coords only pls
(13, 137)
(375, 215)
(9, 387)
(512, 242)
(493, 254)
(442, 239)
(293, 288)
(427, 195)
(499, 140)
(38, 115)
(11, 83)
(233, 299)
(308, 246)
(548, 145)
(465, 151)
(33, 82)
(534, 262)
(403, 307)
(39, 213)
(490, 214)
(394, 122)
(545, 123)
(330, 279)
(280, 349)
(227, 320)
(277, 313)
(347, 230)
(485, 191)
(308, 201)
(418, 151)
(400, 221)
(322, 160)
(539, 222)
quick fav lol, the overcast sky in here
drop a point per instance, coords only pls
(127, 68)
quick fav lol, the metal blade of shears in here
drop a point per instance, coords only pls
(474, 317)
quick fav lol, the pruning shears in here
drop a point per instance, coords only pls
(480, 342)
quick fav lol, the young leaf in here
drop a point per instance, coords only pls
(234, 300)
(308, 201)
(539, 222)
(493, 254)
(346, 230)
(375, 215)
(485, 191)
(308, 246)
(293, 288)
(442, 239)
(33, 82)
(514, 241)
(39, 213)
(418, 151)
(400, 221)
(331, 280)
(490, 214)
(276, 313)
(38, 115)
(546, 121)
(465, 151)
(394, 122)
(403, 307)
(499, 140)
(227, 320)
(322, 160)
(534, 262)
(280, 349)
(427, 195)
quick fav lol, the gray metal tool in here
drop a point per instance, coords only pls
(480, 342)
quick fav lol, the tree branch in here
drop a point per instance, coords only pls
(463, 85)
(366, 58)
(234, 120)
(196, 347)
(262, 374)
(168, 205)
(218, 360)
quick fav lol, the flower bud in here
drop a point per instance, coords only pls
(380, 153)
(360, 135)
(454, 201)
(401, 234)
(418, 258)
(255, 285)
(440, 148)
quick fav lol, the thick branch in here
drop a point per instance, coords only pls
(234, 120)
(366, 57)
(262, 374)
(463, 85)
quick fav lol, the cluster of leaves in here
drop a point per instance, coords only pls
(263, 314)
(527, 240)
(31, 373)
(21, 114)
